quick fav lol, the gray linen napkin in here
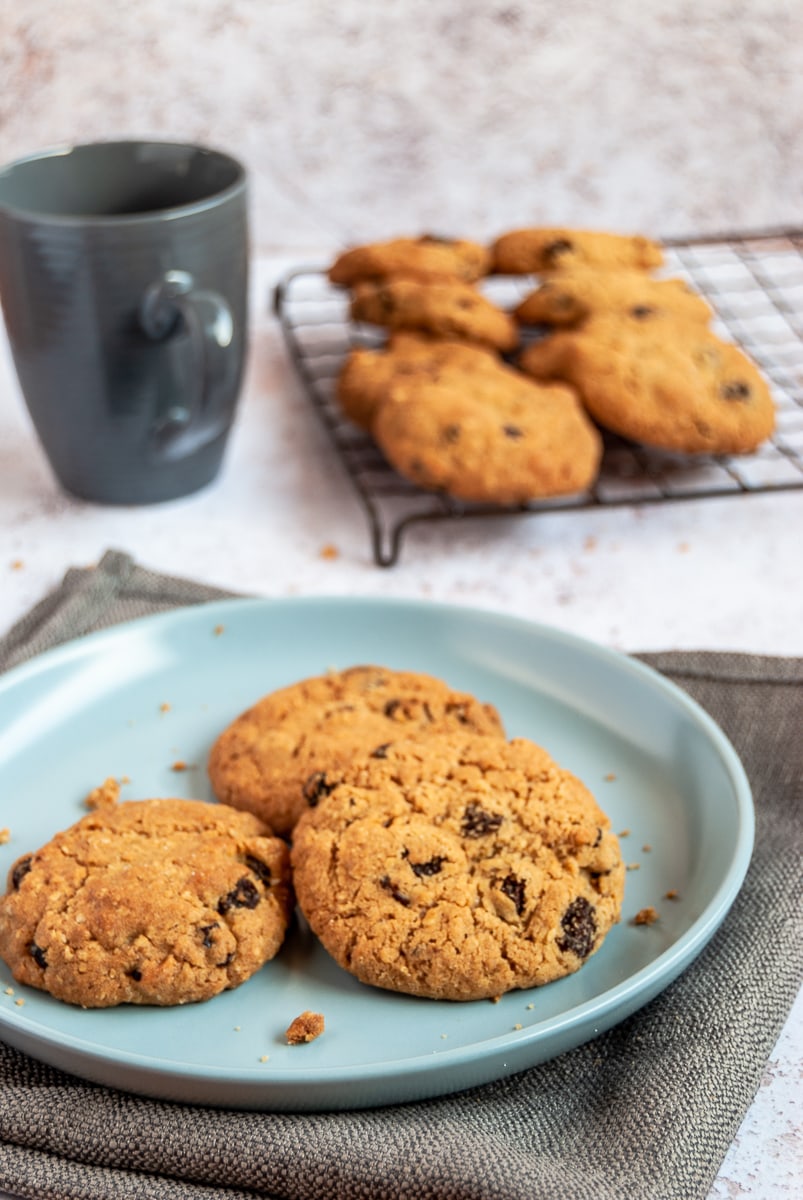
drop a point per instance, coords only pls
(647, 1110)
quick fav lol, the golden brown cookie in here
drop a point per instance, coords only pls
(367, 376)
(568, 298)
(425, 257)
(459, 868)
(539, 251)
(445, 308)
(487, 440)
(285, 752)
(670, 384)
(149, 902)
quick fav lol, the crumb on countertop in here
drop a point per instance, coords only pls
(304, 1028)
(218, 630)
(104, 796)
(5, 836)
(329, 551)
(646, 916)
(671, 895)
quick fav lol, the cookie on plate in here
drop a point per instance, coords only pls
(569, 298)
(284, 753)
(445, 308)
(426, 257)
(542, 250)
(459, 868)
(489, 441)
(157, 902)
(366, 378)
(671, 384)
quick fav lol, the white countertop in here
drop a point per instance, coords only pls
(282, 519)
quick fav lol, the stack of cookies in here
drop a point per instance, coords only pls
(461, 399)
(429, 854)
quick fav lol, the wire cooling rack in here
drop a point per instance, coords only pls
(754, 283)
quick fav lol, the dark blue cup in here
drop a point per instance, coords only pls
(124, 287)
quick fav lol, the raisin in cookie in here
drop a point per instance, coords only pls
(446, 308)
(459, 868)
(149, 902)
(568, 299)
(488, 441)
(670, 384)
(367, 376)
(538, 251)
(425, 257)
(285, 752)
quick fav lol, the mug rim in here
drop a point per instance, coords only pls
(174, 211)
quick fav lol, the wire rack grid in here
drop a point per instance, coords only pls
(754, 283)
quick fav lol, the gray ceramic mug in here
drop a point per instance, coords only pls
(124, 286)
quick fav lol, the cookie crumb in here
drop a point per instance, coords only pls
(671, 895)
(624, 833)
(20, 1003)
(305, 1028)
(218, 630)
(5, 836)
(164, 707)
(646, 847)
(104, 796)
(179, 765)
(609, 778)
(264, 1057)
(9, 991)
(16, 564)
(518, 1025)
(633, 866)
(329, 551)
(646, 916)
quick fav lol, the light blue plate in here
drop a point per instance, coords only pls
(658, 764)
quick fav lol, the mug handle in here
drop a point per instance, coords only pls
(172, 303)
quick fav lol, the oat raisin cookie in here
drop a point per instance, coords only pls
(670, 384)
(540, 251)
(156, 902)
(446, 308)
(459, 868)
(426, 257)
(367, 376)
(284, 753)
(567, 299)
(489, 444)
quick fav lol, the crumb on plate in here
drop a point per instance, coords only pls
(104, 796)
(304, 1028)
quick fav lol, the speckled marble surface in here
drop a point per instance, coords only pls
(470, 116)
(361, 119)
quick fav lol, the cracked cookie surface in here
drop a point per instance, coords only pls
(447, 308)
(542, 250)
(425, 257)
(458, 868)
(283, 754)
(157, 902)
(489, 438)
(568, 298)
(665, 382)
